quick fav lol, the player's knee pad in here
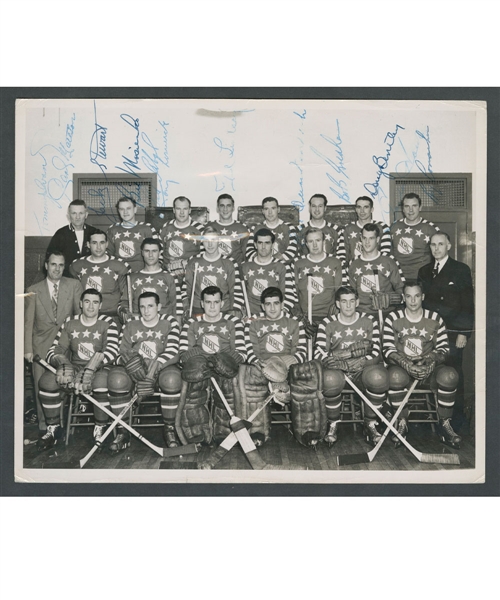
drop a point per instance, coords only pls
(333, 382)
(170, 380)
(100, 381)
(376, 379)
(447, 378)
(398, 378)
(48, 383)
(119, 381)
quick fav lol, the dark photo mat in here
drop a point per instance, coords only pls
(490, 487)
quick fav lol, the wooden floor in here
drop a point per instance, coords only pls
(281, 451)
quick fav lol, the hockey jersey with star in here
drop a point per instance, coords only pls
(285, 242)
(79, 342)
(325, 278)
(410, 245)
(222, 336)
(221, 273)
(333, 336)
(414, 339)
(363, 279)
(333, 243)
(352, 240)
(257, 278)
(180, 243)
(108, 277)
(160, 341)
(265, 338)
(160, 282)
(232, 240)
(125, 242)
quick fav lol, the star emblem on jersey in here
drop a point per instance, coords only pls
(115, 276)
(280, 236)
(398, 232)
(423, 332)
(234, 234)
(349, 331)
(250, 273)
(137, 236)
(96, 335)
(419, 232)
(95, 269)
(224, 330)
(272, 274)
(264, 329)
(83, 272)
(158, 335)
(427, 238)
(316, 269)
(358, 271)
(337, 335)
(354, 234)
(224, 231)
(408, 230)
(148, 279)
(368, 266)
(126, 234)
(305, 272)
(360, 332)
(328, 237)
(138, 335)
(75, 334)
(107, 271)
(149, 333)
(327, 270)
(260, 271)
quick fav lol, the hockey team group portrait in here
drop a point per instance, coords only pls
(250, 291)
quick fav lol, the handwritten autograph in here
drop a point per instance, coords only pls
(131, 164)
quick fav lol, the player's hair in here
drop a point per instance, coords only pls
(411, 196)
(366, 199)
(150, 240)
(412, 283)
(442, 233)
(322, 196)
(269, 199)
(91, 291)
(181, 198)
(314, 230)
(211, 290)
(225, 197)
(77, 203)
(153, 295)
(271, 292)
(209, 229)
(98, 232)
(345, 290)
(126, 199)
(372, 227)
(264, 232)
(54, 253)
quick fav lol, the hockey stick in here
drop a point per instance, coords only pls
(444, 459)
(192, 291)
(241, 432)
(151, 373)
(245, 296)
(309, 317)
(231, 440)
(377, 289)
(161, 451)
(129, 292)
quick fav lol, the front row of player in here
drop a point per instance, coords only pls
(265, 356)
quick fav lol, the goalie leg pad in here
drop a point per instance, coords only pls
(221, 416)
(51, 397)
(309, 419)
(399, 380)
(119, 387)
(253, 390)
(446, 380)
(195, 416)
(170, 383)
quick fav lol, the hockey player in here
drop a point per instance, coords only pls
(233, 235)
(209, 341)
(333, 239)
(349, 343)
(353, 231)
(212, 269)
(269, 337)
(415, 344)
(125, 238)
(376, 277)
(263, 271)
(322, 272)
(411, 236)
(83, 346)
(105, 274)
(152, 278)
(143, 339)
(285, 242)
(180, 238)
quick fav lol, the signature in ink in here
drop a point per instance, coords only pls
(382, 163)
(98, 143)
(131, 164)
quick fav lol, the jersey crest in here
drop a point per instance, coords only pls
(176, 248)
(126, 249)
(275, 342)
(358, 248)
(147, 349)
(208, 280)
(368, 282)
(317, 285)
(405, 245)
(85, 350)
(259, 285)
(210, 344)
(95, 282)
(413, 347)
(225, 247)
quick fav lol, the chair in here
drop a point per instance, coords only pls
(352, 410)
(422, 407)
(147, 413)
(80, 414)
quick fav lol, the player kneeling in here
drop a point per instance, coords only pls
(146, 338)
(349, 344)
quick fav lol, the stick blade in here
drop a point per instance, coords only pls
(440, 459)
(352, 459)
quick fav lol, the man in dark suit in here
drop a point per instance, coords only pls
(72, 239)
(48, 304)
(448, 291)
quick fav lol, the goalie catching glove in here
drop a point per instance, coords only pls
(225, 364)
(275, 369)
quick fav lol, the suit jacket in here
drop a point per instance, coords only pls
(450, 294)
(40, 326)
(65, 241)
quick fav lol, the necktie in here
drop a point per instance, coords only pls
(54, 300)
(435, 271)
